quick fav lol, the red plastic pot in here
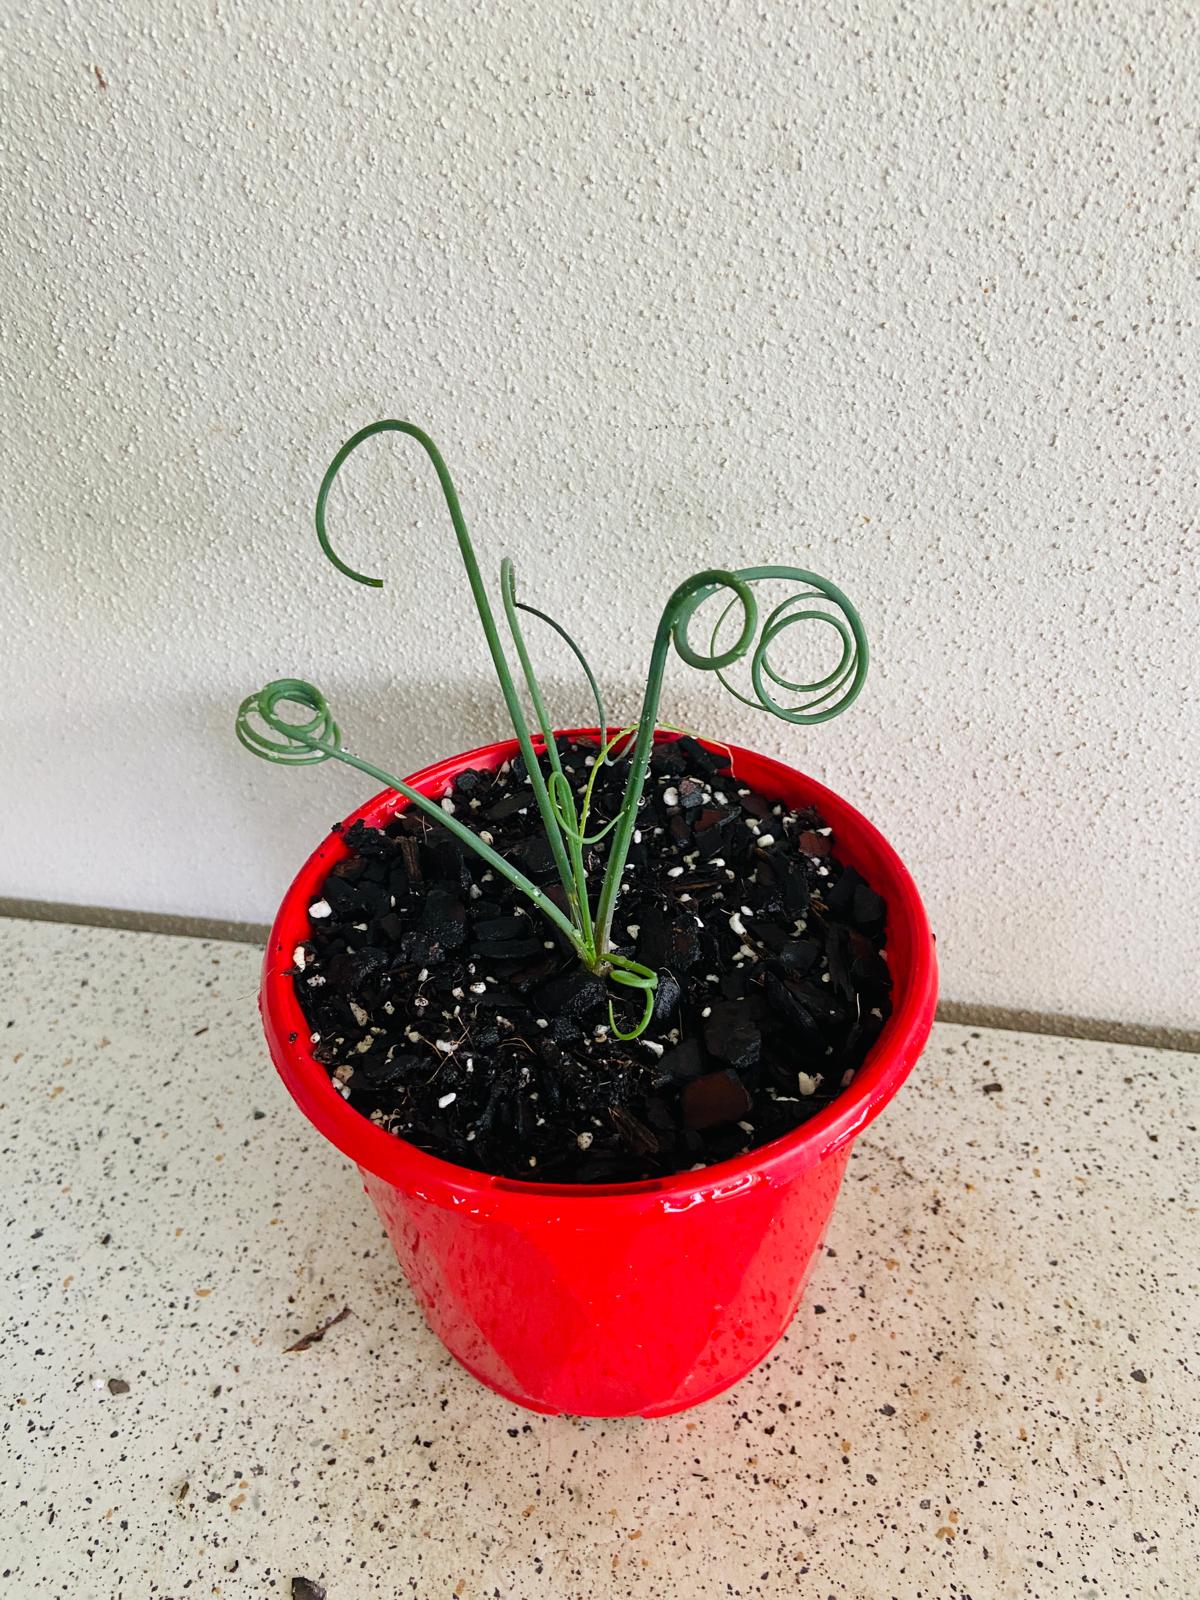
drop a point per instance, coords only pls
(623, 1299)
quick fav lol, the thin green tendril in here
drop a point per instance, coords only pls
(594, 687)
(568, 816)
(601, 761)
(632, 975)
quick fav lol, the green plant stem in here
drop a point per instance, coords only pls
(574, 847)
(562, 799)
(482, 604)
(696, 588)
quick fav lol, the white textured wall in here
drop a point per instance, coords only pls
(903, 292)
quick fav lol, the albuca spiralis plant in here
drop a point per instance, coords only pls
(313, 735)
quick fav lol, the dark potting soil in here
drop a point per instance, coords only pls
(446, 1009)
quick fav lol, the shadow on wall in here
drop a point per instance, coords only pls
(218, 832)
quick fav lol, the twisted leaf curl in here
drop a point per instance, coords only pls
(824, 697)
(296, 744)
(318, 738)
(632, 975)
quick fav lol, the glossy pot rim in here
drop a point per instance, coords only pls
(891, 1058)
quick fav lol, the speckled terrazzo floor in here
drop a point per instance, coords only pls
(990, 1389)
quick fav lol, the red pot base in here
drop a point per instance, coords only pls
(669, 1410)
(568, 1313)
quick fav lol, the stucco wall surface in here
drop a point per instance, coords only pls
(905, 293)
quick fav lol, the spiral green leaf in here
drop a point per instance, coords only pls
(821, 698)
(295, 744)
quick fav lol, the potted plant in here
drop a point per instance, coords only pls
(598, 1013)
